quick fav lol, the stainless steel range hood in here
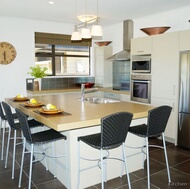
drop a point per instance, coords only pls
(127, 35)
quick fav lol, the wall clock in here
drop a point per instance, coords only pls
(7, 53)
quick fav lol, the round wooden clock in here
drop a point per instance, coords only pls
(7, 53)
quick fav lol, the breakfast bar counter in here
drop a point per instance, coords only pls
(82, 118)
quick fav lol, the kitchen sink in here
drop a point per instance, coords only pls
(96, 100)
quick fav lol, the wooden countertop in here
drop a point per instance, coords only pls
(107, 89)
(81, 114)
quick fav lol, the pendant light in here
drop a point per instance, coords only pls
(97, 29)
(85, 32)
(76, 34)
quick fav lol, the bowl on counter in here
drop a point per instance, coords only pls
(155, 30)
(87, 85)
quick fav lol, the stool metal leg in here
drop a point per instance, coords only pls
(3, 137)
(148, 164)
(22, 162)
(8, 142)
(126, 166)
(31, 162)
(102, 167)
(14, 150)
(166, 157)
(143, 159)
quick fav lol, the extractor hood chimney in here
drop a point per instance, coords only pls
(127, 35)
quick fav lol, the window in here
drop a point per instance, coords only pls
(61, 56)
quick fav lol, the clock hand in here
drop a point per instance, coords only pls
(4, 55)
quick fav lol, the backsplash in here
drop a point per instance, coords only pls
(59, 83)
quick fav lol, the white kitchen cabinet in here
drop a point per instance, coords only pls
(171, 128)
(103, 67)
(125, 97)
(142, 45)
(165, 66)
(115, 96)
(184, 44)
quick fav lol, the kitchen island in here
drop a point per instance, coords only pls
(82, 118)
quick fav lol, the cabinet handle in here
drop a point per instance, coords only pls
(140, 51)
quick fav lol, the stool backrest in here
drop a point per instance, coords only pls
(9, 115)
(1, 112)
(24, 125)
(158, 119)
(114, 129)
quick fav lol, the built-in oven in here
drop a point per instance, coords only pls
(141, 64)
(141, 88)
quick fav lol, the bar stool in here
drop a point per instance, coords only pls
(35, 139)
(15, 126)
(156, 125)
(4, 119)
(114, 129)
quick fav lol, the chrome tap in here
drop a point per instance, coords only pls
(83, 91)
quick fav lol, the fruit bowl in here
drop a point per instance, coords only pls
(102, 43)
(155, 30)
(87, 85)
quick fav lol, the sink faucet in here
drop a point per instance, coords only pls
(83, 91)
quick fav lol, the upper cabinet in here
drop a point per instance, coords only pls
(103, 67)
(165, 65)
(184, 44)
(142, 45)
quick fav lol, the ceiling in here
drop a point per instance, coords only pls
(110, 11)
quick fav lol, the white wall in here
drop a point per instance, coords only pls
(20, 33)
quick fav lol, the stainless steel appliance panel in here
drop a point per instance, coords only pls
(141, 88)
(184, 102)
(141, 64)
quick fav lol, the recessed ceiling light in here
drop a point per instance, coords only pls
(51, 2)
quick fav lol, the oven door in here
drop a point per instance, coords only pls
(141, 90)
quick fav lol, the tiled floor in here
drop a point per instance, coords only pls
(179, 160)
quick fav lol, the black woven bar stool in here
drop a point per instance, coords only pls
(37, 139)
(3, 127)
(15, 126)
(156, 125)
(114, 129)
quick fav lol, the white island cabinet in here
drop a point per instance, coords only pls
(103, 67)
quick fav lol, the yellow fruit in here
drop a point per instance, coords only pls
(33, 101)
(19, 96)
(50, 107)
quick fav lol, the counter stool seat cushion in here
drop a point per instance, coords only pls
(46, 136)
